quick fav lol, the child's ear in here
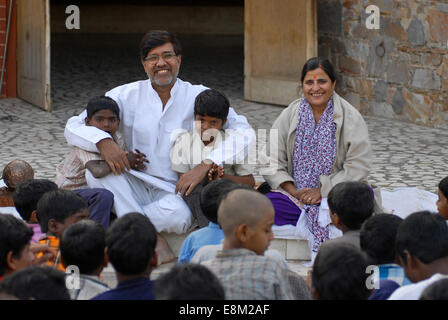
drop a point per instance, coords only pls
(241, 233)
(33, 217)
(10, 261)
(87, 121)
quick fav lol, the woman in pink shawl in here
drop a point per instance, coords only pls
(323, 140)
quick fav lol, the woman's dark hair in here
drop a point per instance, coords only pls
(157, 38)
(443, 186)
(318, 62)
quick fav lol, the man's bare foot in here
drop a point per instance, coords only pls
(164, 252)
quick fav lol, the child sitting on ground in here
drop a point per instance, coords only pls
(56, 211)
(377, 240)
(102, 113)
(246, 218)
(26, 196)
(16, 252)
(13, 174)
(130, 243)
(188, 281)
(350, 203)
(83, 245)
(211, 109)
(442, 202)
(211, 234)
(339, 273)
(422, 247)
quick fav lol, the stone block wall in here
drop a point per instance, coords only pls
(399, 71)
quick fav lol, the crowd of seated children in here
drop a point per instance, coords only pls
(56, 211)
(377, 239)
(211, 109)
(422, 247)
(246, 218)
(130, 243)
(188, 281)
(83, 245)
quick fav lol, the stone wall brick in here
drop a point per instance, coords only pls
(426, 79)
(438, 25)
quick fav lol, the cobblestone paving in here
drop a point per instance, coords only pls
(85, 66)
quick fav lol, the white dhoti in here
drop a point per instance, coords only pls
(166, 210)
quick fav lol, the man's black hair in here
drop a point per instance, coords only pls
(28, 193)
(318, 62)
(212, 103)
(14, 236)
(36, 283)
(377, 237)
(339, 272)
(443, 186)
(210, 197)
(188, 281)
(131, 241)
(424, 235)
(102, 103)
(58, 205)
(353, 203)
(157, 38)
(82, 244)
(436, 291)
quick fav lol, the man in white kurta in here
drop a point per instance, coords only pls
(151, 112)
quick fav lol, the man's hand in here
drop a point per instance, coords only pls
(43, 251)
(137, 160)
(114, 156)
(192, 178)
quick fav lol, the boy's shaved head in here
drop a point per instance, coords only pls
(242, 207)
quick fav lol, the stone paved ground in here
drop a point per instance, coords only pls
(85, 66)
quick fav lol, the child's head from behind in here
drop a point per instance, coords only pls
(211, 195)
(16, 172)
(83, 244)
(131, 241)
(422, 238)
(59, 209)
(339, 273)
(442, 202)
(15, 239)
(246, 218)
(211, 109)
(377, 237)
(28, 193)
(351, 203)
(188, 281)
(36, 283)
(103, 113)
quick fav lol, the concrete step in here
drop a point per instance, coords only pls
(290, 249)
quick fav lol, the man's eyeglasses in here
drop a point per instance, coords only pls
(167, 56)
